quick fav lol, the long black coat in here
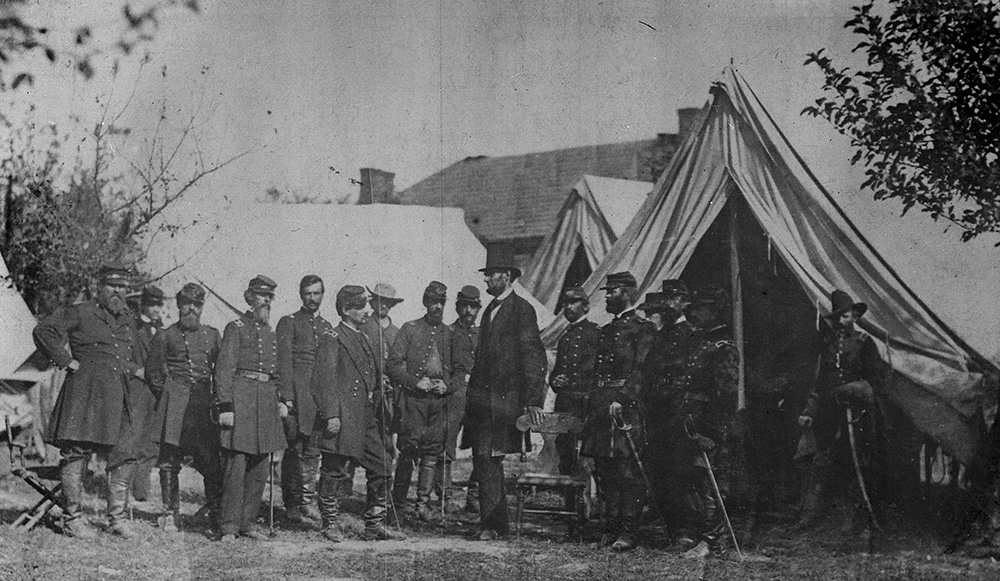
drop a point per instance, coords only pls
(298, 339)
(93, 403)
(346, 385)
(508, 376)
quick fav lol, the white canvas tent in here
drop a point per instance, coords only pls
(406, 246)
(16, 345)
(594, 215)
(739, 153)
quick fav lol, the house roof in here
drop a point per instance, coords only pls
(519, 196)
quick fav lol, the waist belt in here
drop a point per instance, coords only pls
(612, 383)
(255, 375)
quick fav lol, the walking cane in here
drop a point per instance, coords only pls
(715, 487)
(270, 493)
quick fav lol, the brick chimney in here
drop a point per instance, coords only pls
(688, 119)
(377, 186)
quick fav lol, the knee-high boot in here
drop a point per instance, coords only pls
(119, 479)
(71, 476)
(425, 486)
(170, 495)
(329, 507)
(401, 481)
(310, 471)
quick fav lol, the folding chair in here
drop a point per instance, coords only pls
(572, 487)
(51, 497)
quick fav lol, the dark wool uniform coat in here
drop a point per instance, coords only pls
(93, 403)
(346, 384)
(179, 368)
(298, 340)
(508, 376)
(250, 346)
(142, 401)
(575, 358)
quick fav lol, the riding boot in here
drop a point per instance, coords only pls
(71, 475)
(401, 482)
(310, 470)
(472, 498)
(170, 496)
(119, 479)
(377, 517)
(425, 485)
(291, 480)
(329, 508)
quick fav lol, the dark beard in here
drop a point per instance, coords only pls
(262, 314)
(468, 320)
(115, 304)
(616, 306)
(189, 321)
(434, 318)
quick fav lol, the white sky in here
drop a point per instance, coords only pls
(412, 87)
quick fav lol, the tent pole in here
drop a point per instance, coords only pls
(737, 293)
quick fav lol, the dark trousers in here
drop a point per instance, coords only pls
(298, 470)
(207, 461)
(622, 491)
(73, 469)
(376, 459)
(243, 479)
(488, 471)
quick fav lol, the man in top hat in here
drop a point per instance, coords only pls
(179, 369)
(251, 408)
(464, 342)
(614, 403)
(420, 366)
(91, 414)
(142, 401)
(702, 390)
(572, 377)
(851, 375)
(508, 380)
(354, 411)
(298, 338)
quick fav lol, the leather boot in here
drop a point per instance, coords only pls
(291, 480)
(451, 506)
(401, 484)
(425, 485)
(810, 513)
(377, 515)
(170, 495)
(119, 479)
(472, 498)
(71, 475)
(329, 508)
(310, 472)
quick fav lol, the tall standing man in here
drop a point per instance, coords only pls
(298, 339)
(508, 380)
(179, 369)
(420, 366)
(251, 408)
(142, 401)
(572, 377)
(464, 342)
(91, 414)
(621, 350)
(355, 412)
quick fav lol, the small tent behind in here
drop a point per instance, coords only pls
(405, 246)
(594, 215)
(738, 173)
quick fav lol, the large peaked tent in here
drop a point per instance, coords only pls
(406, 246)
(16, 345)
(739, 152)
(594, 215)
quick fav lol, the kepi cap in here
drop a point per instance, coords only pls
(574, 294)
(674, 287)
(351, 296)
(115, 274)
(654, 303)
(152, 295)
(469, 294)
(260, 284)
(191, 293)
(619, 280)
(436, 291)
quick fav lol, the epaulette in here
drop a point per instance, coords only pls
(724, 343)
(239, 322)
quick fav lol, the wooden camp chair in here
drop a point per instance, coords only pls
(51, 496)
(572, 487)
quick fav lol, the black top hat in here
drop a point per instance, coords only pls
(260, 284)
(574, 294)
(152, 295)
(618, 280)
(674, 287)
(436, 291)
(469, 294)
(115, 274)
(501, 257)
(842, 302)
(191, 293)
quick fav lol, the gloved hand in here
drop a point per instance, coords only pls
(226, 419)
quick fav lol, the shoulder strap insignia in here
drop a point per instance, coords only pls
(724, 343)
(239, 322)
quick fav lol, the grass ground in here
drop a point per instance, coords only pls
(432, 552)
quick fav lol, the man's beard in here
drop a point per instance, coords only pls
(189, 321)
(616, 305)
(434, 317)
(468, 319)
(262, 314)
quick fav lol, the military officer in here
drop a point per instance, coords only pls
(572, 376)
(704, 392)
(355, 412)
(298, 338)
(464, 341)
(179, 369)
(91, 413)
(251, 408)
(851, 373)
(614, 404)
(420, 366)
(142, 401)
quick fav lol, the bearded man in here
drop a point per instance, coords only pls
(91, 414)
(251, 408)
(179, 369)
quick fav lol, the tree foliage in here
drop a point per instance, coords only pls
(924, 114)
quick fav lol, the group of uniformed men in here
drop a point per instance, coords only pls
(335, 397)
